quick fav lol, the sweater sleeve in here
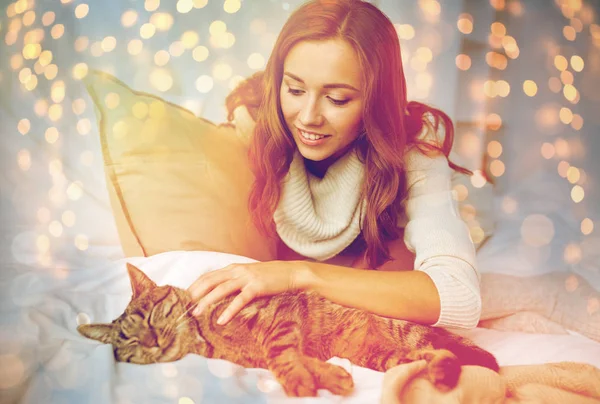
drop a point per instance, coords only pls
(440, 239)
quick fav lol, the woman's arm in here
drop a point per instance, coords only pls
(407, 295)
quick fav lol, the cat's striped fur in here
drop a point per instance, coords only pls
(291, 334)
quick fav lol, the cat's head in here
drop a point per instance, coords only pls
(156, 326)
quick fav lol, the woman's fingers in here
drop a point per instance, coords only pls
(206, 282)
(237, 304)
(219, 292)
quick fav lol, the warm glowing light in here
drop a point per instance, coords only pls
(554, 84)
(24, 159)
(48, 18)
(217, 28)
(498, 4)
(40, 107)
(560, 62)
(509, 205)
(135, 46)
(109, 44)
(537, 230)
(570, 92)
(577, 193)
(569, 33)
(80, 70)
(112, 100)
(151, 5)
(189, 39)
(562, 151)
(477, 179)
(161, 57)
(32, 51)
(463, 62)
(24, 126)
(493, 121)
(140, 110)
(497, 168)
(200, 53)
(573, 175)
(566, 77)
(496, 60)
(161, 79)
(498, 29)
(51, 135)
(566, 116)
(16, 62)
(222, 71)
(84, 126)
(572, 254)
(587, 226)
(78, 106)
(57, 31)
(185, 6)
(162, 21)
(232, 6)
(57, 92)
(547, 150)
(530, 88)
(489, 87)
(29, 18)
(404, 31)
(129, 18)
(256, 61)
(204, 84)
(465, 23)
(82, 10)
(577, 63)
(147, 31)
(502, 88)
(81, 43)
(55, 112)
(494, 149)
(577, 122)
(68, 218)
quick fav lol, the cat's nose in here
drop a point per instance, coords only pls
(148, 339)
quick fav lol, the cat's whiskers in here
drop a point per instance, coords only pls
(184, 313)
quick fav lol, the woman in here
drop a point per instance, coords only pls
(342, 163)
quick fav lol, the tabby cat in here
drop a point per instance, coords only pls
(291, 334)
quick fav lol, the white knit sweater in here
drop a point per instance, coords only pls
(319, 217)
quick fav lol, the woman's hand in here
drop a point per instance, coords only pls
(251, 280)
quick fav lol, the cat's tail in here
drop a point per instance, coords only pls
(466, 351)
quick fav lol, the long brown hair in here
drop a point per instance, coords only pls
(391, 122)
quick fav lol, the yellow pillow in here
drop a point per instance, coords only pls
(176, 181)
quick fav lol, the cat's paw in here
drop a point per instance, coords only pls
(304, 377)
(297, 380)
(332, 377)
(443, 368)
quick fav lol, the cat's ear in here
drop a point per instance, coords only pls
(99, 332)
(139, 281)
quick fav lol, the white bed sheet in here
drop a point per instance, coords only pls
(64, 367)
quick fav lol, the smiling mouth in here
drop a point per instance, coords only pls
(311, 136)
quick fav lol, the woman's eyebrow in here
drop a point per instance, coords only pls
(332, 85)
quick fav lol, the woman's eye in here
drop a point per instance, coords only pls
(294, 91)
(339, 102)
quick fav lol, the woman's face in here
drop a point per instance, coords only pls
(321, 94)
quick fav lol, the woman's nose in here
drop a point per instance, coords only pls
(311, 114)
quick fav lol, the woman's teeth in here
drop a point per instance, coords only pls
(310, 136)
